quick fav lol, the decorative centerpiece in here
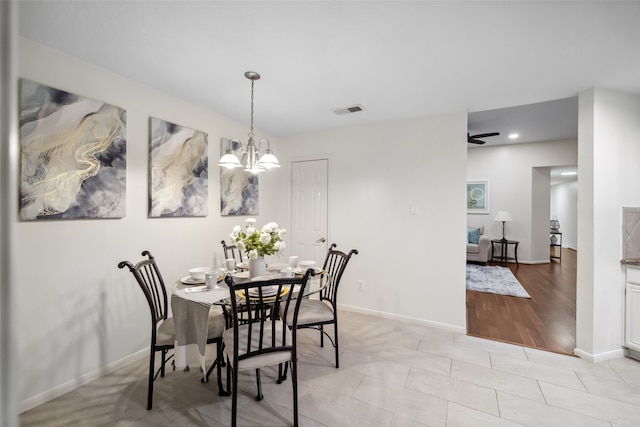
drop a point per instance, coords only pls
(258, 242)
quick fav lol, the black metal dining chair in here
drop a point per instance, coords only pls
(258, 337)
(231, 251)
(147, 274)
(318, 313)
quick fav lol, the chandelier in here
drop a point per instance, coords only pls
(253, 158)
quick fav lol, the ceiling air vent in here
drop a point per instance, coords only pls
(348, 110)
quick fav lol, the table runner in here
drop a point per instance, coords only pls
(191, 321)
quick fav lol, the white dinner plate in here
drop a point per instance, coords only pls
(260, 278)
(306, 264)
(266, 291)
(301, 271)
(196, 289)
(188, 280)
(276, 266)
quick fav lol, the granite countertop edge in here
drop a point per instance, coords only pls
(630, 261)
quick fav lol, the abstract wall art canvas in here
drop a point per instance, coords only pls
(238, 189)
(179, 170)
(73, 155)
(478, 197)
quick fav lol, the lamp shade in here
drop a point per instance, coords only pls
(229, 160)
(268, 160)
(503, 216)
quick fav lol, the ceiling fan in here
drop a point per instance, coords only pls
(473, 139)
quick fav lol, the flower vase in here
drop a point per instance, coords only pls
(257, 267)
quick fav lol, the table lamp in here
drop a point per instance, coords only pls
(503, 216)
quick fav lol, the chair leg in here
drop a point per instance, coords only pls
(229, 373)
(321, 336)
(259, 383)
(164, 354)
(150, 388)
(220, 356)
(234, 394)
(294, 382)
(282, 374)
(218, 363)
(335, 338)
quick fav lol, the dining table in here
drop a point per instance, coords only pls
(191, 304)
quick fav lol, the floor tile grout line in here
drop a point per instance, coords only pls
(582, 413)
(495, 392)
(608, 397)
(557, 407)
(507, 373)
(616, 372)
(458, 403)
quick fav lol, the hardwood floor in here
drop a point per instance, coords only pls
(546, 321)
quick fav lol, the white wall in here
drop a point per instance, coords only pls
(509, 169)
(77, 312)
(564, 205)
(413, 265)
(609, 150)
(540, 200)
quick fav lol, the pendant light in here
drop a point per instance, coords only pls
(253, 159)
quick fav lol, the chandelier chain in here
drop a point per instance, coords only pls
(251, 127)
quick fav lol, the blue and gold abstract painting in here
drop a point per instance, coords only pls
(238, 188)
(179, 170)
(73, 155)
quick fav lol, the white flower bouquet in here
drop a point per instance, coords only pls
(259, 242)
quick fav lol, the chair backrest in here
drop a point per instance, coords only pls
(334, 264)
(231, 251)
(264, 330)
(148, 276)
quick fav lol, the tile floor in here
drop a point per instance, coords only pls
(391, 374)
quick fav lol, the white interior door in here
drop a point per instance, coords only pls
(309, 195)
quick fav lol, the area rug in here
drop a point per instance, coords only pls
(495, 280)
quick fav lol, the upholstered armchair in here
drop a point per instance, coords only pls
(478, 245)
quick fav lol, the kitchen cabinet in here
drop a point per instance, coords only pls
(632, 311)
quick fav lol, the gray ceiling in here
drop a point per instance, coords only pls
(543, 121)
(398, 59)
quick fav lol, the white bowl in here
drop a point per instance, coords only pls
(261, 278)
(306, 264)
(198, 272)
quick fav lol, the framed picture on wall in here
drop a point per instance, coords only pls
(239, 191)
(73, 155)
(179, 170)
(478, 197)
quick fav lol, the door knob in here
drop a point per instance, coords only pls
(321, 240)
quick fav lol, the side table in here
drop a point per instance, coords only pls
(555, 243)
(502, 256)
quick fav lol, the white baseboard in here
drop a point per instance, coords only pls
(600, 357)
(407, 319)
(58, 391)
